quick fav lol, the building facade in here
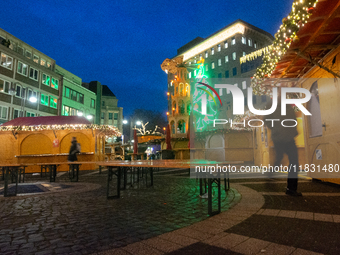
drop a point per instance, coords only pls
(76, 100)
(219, 57)
(28, 84)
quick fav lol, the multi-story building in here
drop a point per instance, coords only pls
(76, 99)
(219, 55)
(106, 105)
(28, 84)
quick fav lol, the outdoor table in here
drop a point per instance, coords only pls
(52, 167)
(119, 168)
(13, 171)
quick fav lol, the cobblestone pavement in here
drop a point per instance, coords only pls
(79, 219)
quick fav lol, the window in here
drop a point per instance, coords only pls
(53, 102)
(213, 65)
(81, 98)
(115, 116)
(20, 50)
(254, 99)
(3, 112)
(244, 53)
(54, 83)
(16, 113)
(219, 47)
(219, 75)
(48, 65)
(227, 74)
(102, 115)
(93, 103)
(30, 114)
(44, 99)
(244, 41)
(206, 68)
(46, 79)
(18, 91)
(250, 42)
(103, 103)
(226, 59)
(4, 86)
(234, 55)
(42, 62)
(22, 68)
(36, 59)
(28, 54)
(219, 62)
(33, 74)
(189, 75)
(234, 71)
(233, 40)
(200, 56)
(255, 45)
(6, 61)
(244, 85)
(67, 92)
(226, 45)
(206, 54)
(212, 51)
(110, 115)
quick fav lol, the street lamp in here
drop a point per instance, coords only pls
(32, 99)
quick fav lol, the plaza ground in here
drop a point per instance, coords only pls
(257, 217)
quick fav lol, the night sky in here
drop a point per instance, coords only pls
(123, 43)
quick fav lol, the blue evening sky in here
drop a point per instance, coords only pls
(123, 43)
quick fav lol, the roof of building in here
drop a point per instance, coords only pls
(47, 120)
(107, 91)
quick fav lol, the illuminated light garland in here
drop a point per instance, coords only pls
(110, 130)
(255, 54)
(287, 33)
(220, 37)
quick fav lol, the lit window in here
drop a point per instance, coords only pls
(219, 62)
(250, 42)
(206, 54)
(93, 103)
(3, 112)
(212, 51)
(213, 65)
(54, 83)
(46, 79)
(22, 68)
(226, 45)
(53, 102)
(33, 74)
(36, 59)
(219, 47)
(44, 99)
(48, 65)
(42, 62)
(255, 45)
(226, 59)
(200, 56)
(233, 40)
(28, 54)
(244, 85)
(244, 41)
(4, 86)
(234, 55)
(6, 61)
(243, 54)
(189, 75)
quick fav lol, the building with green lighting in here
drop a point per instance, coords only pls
(219, 57)
(29, 85)
(76, 100)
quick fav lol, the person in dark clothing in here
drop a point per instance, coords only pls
(73, 150)
(283, 139)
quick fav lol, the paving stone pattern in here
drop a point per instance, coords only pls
(86, 222)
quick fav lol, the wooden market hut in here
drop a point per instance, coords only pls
(312, 55)
(33, 140)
